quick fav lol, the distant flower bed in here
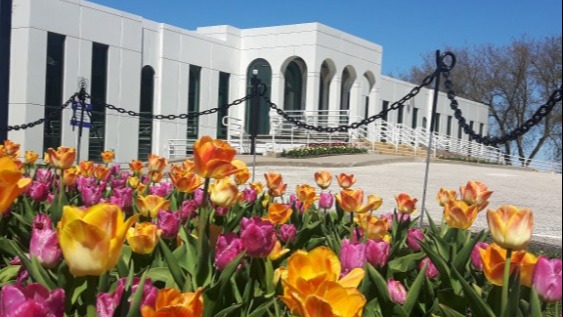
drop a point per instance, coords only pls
(323, 150)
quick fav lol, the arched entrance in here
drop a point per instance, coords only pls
(264, 75)
(145, 123)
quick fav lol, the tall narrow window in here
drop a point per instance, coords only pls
(324, 87)
(366, 110)
(437, 122)
(98, 91)
(293, 93)
(193, 100)
(222, 100)
(481, 128)
(264, 75)
(459, 132)
(54, 79)
(400, 115)
(385, 108)
(449, 126)
(145, 121)
(414, 123)
(471, 124)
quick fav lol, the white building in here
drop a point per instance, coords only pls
(145, 66)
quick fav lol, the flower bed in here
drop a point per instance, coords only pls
(316, 150)
(93, 240)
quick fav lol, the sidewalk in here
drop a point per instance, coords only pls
(352, 160)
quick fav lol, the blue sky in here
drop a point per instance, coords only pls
(406, 29)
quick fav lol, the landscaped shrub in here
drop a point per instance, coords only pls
(315, 150)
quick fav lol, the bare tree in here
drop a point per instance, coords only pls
(513, 80)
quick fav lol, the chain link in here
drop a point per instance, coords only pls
(49, 117)
(355, 125)
(536, 118)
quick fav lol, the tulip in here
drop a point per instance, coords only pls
(277, 252)
(10, 149)
(413, 237)
(31, 300)
(476, 193)
(185, 182)
(44, 175)
(375, 202)
(101, 172)
(397, 292)
(274, 182)
(106, 303)
(258, 236)
(151, 204)
(162, 189)
(445, 196)
(91, 195)
(188, 166)
(257, 186)
(406, 204)
(376, 228)
(352, 200)
(116, 183)
(213, 158)
(547, 279)
(249, 195)
(91, 240)
(86, 168)
(136, 167)
(70, 176)
(242, 173)
(169, 224)
(116, 170)
(278, 214)
(123, 197)
(107, 156)
(38, 191)
(143, 237)
(323, 179)
(346, 181)
(189, 210)
(171, 302)
(83, 182)
(401, 218)
(352, 255)
(288, 233)
(156, 163)
(198, 197)
(307, 195)
(476, 260)
(431, 269)
(224, 193)
(44, 244)
(326, 200)
(494, 260)
(31, 157)
(511, 228)
(62, 158)
(378, 252)
(229, 246)
(12, 184)
(331, 299)
(458, 214)
(46, 158)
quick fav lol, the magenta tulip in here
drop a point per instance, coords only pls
(258, 236)
(249, 195)
(169, 223)
(397, 291)
(547, 279)
(44, 243)
(431, 269)
(229, 246)
(38, 191)
(288, 233)
(107, 303)
(188, 210)
(91, 195)
(118, 183)
(123, 197)
(198, 197)
(326, 200)
(44, 176)
(32, 300)
(476, 259)
(413, 237)
(161, 189)
(378, 252)
(352, 255)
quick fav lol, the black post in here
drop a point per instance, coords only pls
(5, 40)
(82, 98)
(255, 106)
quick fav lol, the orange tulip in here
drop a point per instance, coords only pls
(185, 182)
(276, 187)
(86, 168)
(445, 196)
(307, 195)
(242, 173)
(351, 200)
(476, 193)
(156, 163)
(62, 158)
(189, 166)
(136, 167)
(375, 228)
(107, 156)
(223, 192)
(170, 302)
(31, 157)
(101, 172)
(278, 214)
(460, 215)
(406, 204)
(333, 300)
(46, 158)
(494, 260)
(277, 252)
(346, 180)
(511, 228)
(10, 149)
(213, 158)
(12, 184)
(151, 204)
(70, 176)
(323, 179)
(156, 177)
(143, 237)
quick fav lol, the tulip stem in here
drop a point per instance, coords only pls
(205, 192)
(505, 285)
(90, 294)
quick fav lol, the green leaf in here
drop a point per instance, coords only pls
(535, 304)
(161, 274)
(414, 291)
(227, 311)
(261, 310)
(448, 312)
(380, 283)
(463, 255)
(405, 263)
(478, 306)
(36, 271)
(8, 274)
(172, 264)
(135, 308)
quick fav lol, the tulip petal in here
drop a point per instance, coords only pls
(317, 307)
(85, 248)
(353, 279)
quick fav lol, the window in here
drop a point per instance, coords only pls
(414, 118)
(293, 91)
(193, 100)
(459, 132)
(264, 76)
(471, 124)
(222, 100)
(400, 114)
(98, 91)
(324, 87)
(437, 122)
(54, 79)
(481, 128)
(385, 108)
(145, 123)
(449, 127)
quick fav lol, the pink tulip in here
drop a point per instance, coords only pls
(249, 195)
(397, 292)
(547, 279)
(431, 269)
(188, 210)
(258, 236)
(229, 246)
(44, 243)
(222, 211)
(107, 303)
(85, 182)
(118, 183)
(326, 200)
(401, 218)
(476, 259)
(23, 274)
(44, 176)
(378, 252)
(413, 237)
(91, 195)
(115, 169)
(198, 197)
(32, 300)
(288, 233)
(38, 191)
(123, 197)
(161, 189)
(352, 255)
(169, 223)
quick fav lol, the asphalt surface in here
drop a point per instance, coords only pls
(387, 176)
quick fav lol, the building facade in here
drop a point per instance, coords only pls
(154, 68)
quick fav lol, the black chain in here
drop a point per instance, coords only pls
(352, 126)
(183, 116)
(50, 116)
(536, 118)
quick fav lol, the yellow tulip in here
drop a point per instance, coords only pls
(242, 173)
(258, 187)
(86, 168)
(375, 228)
(143, 237)
(12, 184)
(351, 200)
(70, 176)
(91, 240)
(333, 300)
(458, 214)
(10, 149)
(278, 214)
(150, 205)
(62, 158)
(107, 156)
(31, 157)
(375, 201)
(101, 172)
(213, 158)
(277, 252)
(510, 227)
(494, 260)
(224, 193)
(156, 163)
(307, 195)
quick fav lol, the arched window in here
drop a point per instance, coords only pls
(324, 91)
(264, 75)
(293, 92)
(98, 91)
(145, 124)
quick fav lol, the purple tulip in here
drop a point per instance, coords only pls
(476, 260)
(123, 197)
(258, 236)
(378, 252)
(198, 197)
(401, 218)
(44, 176)
(222, 211)
(107, 303)
(50, 198)
(397, 291)
(118, 183)
(91, 195)
(189, 210)
(44, 242)
(228, 247)
(431, 269)
(249, 195)
(547, 279)
(352, 255)
(293, 201)
(32, 300)
(82, 182)
(38, 191)
(326, 200)
(115, 169)
(288, 233)
(23, 274)
(169, 223)
(413, 237)
(161, 189)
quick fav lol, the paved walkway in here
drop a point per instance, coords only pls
(388, 175)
